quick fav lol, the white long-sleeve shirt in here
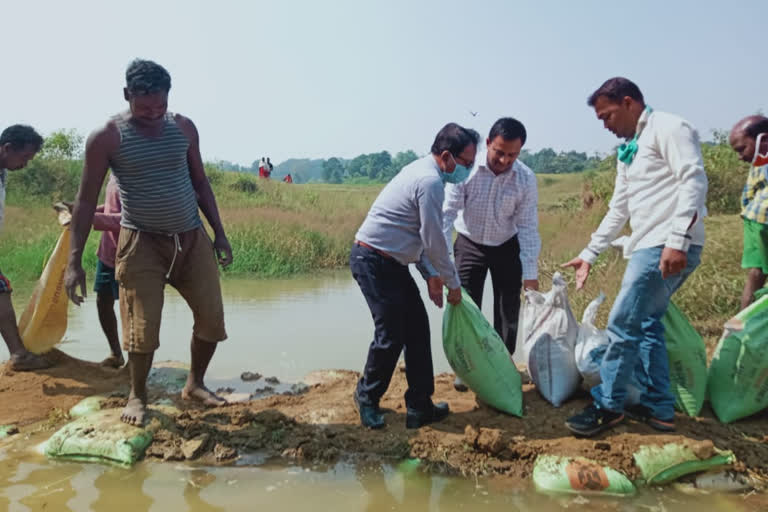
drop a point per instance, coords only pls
(659, 193)
(490, 209)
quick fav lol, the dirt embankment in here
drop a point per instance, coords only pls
(321, 426)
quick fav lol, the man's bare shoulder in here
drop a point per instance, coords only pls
(186, 125)
(105, 137)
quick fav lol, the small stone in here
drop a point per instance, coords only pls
(222, 452)
(194, 447)
(250, 376)
(226, 390)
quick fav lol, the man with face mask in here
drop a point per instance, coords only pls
(403, 226)
(661, 189)
(18, 145)
(155, 157)
(749, 138)
(496, 217)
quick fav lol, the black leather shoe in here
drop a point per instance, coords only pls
(415, 418)
(459, 385)
(370, 415)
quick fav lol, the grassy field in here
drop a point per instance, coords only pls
(277, 229)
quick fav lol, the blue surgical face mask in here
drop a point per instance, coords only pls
(459, 174)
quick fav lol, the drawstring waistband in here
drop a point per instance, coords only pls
(176, 250)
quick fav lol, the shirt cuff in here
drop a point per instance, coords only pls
(678, 241)
(589, 256)
(530, 272)
(453, 282)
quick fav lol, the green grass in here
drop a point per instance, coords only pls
(278, 229)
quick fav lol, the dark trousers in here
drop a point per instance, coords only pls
(473, 262)
(400, 322)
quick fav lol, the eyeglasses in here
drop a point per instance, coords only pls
(466, 163)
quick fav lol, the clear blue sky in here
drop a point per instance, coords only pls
(339, 78)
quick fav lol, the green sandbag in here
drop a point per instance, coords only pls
(738, 373)
(99, 437)
(86, 406)
(687, 361)
(578, 475)
(478, 356)
(664, 464)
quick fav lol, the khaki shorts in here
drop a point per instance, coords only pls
(145, 263)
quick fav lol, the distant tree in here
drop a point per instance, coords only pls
(333, 170)
(62, 145)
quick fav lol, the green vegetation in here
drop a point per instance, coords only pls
(278, 229)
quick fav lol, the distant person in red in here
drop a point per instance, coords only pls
(265, 168)
(288, 178)
(107, 220)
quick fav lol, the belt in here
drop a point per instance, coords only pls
(377, 251)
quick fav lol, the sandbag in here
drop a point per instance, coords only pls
(44, 321)
(664, 464)
(687, 361)
(99, 437)
(479, 358)
(87, 406)
(549, 339)
(591, 344)
(555, 474)
(738, 373)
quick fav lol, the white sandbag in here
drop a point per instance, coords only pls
(549, 338)
(591, 344)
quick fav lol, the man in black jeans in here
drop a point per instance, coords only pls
(496, 217)
(405, 225)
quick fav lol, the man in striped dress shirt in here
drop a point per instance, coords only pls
(496, 218)
(155, 156)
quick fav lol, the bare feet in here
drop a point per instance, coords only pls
(28, 362)
(113, 361)
(134, 412)
(203, 395)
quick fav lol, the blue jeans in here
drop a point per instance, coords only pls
(637, 335)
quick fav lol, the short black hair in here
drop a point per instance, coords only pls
(615, 89)
(454, 139)
(19, 136)
(508, 128)
(754, 129)
(146, 77)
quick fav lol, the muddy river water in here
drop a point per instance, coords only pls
(286, 328)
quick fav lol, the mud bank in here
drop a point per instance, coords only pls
(320, 426)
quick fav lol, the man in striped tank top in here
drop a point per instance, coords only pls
(155, 157)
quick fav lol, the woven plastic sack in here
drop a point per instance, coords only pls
(738, 373)
(591, 344)
(479, 358)
(664, 464)
(687, 361)
(555, 474)
(99, 437)
(549, 339)
(44, 321)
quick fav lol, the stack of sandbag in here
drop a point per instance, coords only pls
(479, 358)
(738, 374)
(549, 338)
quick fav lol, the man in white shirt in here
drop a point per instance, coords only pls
(661, 189)
(18, 145)
(496, 218)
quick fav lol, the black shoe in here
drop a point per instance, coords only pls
(415, 418)
(459, 385)
(593, 420)
(641, 413)
(370, 415)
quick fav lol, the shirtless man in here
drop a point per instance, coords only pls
(155, 156)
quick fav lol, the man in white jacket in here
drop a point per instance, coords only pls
(661, 189)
